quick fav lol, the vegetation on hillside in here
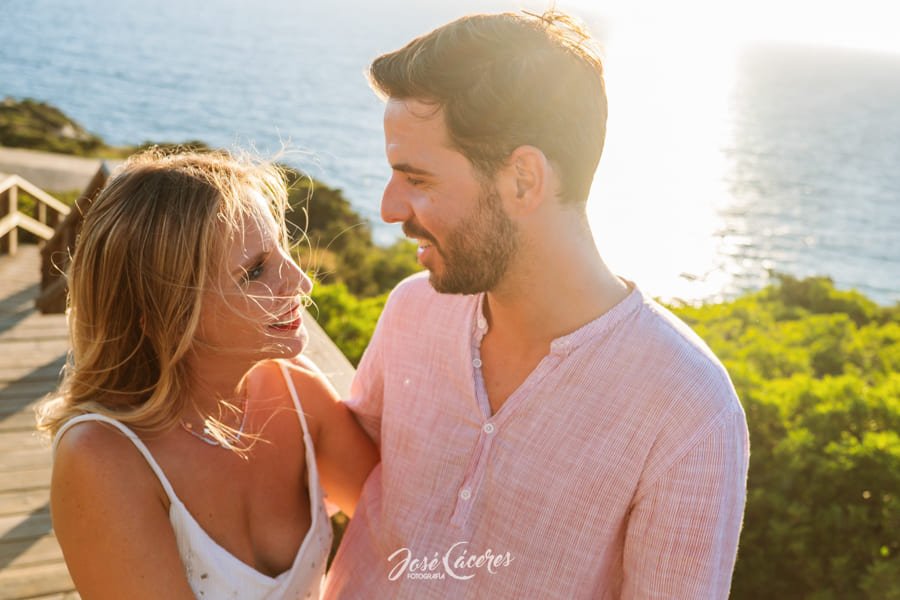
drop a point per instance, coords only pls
(40, 126)
(36, 125)
(818, 373)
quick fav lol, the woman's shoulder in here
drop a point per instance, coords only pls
(91, 439)
(96, 456)
(315, 393)
(308, 380)
(107, 508)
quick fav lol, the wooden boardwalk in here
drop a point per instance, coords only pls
(32, 353)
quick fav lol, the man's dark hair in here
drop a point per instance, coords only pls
(508, 80)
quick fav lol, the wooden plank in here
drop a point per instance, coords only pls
(28, 293)
(22, 503)
(31, 388)
(25, 460)
(49, 373)
(34, 226)
(8, 223)
(12, 404)
(21, 553)
(14, 441)
(40, 195)
(35, 321)
(18, 406)
(35, 580)
(35, 350)
(18, 326)
(23, 421)
(25, 480)
(73, 595)
(25, 527)
(26, 360)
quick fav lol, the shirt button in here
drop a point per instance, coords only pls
(476, 363)
(482, 324)
(465, 494)
(488, 428)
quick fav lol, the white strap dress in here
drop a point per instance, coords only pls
(212, 571)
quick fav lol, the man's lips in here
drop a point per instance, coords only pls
(423, 246)
(424, 240)
(415, 232)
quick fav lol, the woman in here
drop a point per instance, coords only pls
(184, 463)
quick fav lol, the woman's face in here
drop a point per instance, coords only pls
(254, 307)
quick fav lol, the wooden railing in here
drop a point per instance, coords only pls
(40, 223)
(57, 251)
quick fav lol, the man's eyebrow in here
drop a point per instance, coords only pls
(408, 168)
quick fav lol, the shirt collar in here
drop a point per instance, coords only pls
(565, 344)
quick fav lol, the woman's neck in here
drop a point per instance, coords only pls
(212, 383)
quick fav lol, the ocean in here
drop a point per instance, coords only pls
(722, 166)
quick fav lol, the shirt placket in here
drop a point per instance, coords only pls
(474, 474)
(465, 497)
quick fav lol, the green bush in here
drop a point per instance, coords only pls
(349, 321)
(817, 372)
(40, 126)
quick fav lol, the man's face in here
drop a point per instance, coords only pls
(466, 239)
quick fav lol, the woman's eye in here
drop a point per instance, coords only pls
(254, 273)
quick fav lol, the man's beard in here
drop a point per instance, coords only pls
(477, 252)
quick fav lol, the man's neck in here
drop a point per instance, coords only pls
(552, 291)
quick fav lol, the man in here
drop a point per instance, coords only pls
(546, 431)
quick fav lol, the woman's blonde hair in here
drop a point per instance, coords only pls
(151, 243)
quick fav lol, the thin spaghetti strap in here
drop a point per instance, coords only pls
(290, 385)
(170, 492)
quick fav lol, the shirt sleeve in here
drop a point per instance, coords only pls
(367, 388)
(682, 533)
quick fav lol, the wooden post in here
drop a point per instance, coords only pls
(41, 212)
(4, 206)
(12, 205)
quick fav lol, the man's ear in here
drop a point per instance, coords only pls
(528, 175)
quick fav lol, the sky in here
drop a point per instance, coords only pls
(866, 24)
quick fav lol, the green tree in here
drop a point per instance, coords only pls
(816, 370)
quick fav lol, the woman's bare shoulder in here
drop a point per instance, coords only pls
(316, 395)
(315, 390)
(96, 457)
(311, 384)
(108, 508)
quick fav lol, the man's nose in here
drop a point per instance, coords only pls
(395, 206)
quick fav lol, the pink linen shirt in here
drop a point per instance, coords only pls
(616, 470)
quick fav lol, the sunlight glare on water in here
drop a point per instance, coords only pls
(658, 191)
